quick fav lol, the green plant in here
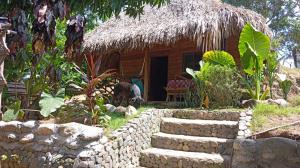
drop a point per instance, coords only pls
(221, 86)
(254, 47)
(285, 87)
(271, 66)
(192, 98)
(50, 103)
(99, 114)
(200, 83)
(14, 112)
(219, 58)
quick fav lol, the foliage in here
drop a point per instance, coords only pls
(222, 86)
(14, 112)
(50, 103)
(271, 66)
(219, 58)
(98, 114)
(192, 98)
(103, 9)
(282, 17)
(254, 47)
(285, 87)
(200, 84)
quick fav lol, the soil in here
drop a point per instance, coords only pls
(291, 132)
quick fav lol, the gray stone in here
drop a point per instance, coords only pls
(121, 110)
(279, 102)
(110, 108)
(28, 126)
(130, 110)
(92, 133)
(248, 103)
(27, 138)
(12, 137)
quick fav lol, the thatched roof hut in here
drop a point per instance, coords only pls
(206, 22)
(160, 44)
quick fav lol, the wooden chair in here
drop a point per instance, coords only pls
(177, 89)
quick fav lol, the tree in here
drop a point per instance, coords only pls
(282, 17)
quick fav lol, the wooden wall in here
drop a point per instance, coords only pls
(131, 62)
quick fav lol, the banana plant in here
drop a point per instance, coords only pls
(254, 47)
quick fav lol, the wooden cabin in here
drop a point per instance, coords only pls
(159, 45)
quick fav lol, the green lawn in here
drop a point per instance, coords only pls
(118, 120)
(263, 113)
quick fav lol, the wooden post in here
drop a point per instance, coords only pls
(146, 74)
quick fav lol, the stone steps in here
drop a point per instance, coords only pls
(207, 115)
(203, 128)
(193, 139)
(192, 143)
(164, 158)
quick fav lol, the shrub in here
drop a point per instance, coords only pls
(222, 87)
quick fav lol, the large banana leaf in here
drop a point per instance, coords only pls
(219, 58)
(254, 47)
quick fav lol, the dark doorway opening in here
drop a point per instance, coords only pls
(158, 78)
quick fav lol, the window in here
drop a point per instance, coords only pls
(191, 60)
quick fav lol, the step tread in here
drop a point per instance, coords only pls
(192, 138)
(199, 122)
(211, 158)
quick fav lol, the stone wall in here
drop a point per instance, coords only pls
(266, 153)
(35, 145)
(244, 124)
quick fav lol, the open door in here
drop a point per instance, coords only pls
(158, 78)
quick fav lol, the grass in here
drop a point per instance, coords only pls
(118, 120)
(263, 112)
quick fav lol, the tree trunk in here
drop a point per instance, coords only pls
(4, 51)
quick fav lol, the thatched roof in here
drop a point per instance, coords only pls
(207, 22)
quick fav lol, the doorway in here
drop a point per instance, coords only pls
(158, 78)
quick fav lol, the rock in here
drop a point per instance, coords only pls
(248, 103)
(27, 138)
(130, 111)
(121, 110)
(90, 134)
(46, 129)
(279, 102)
(110, 108)
(11, 137)
(68, 129)
(28, 126)
(13, 126)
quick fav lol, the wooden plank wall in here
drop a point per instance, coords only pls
(131, 62)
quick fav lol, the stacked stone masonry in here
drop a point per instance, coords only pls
(34, 145)
(193, 138)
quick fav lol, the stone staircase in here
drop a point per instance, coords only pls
(193, 139)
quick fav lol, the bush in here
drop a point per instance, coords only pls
(222, 86)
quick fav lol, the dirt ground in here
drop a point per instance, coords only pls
(292, 132)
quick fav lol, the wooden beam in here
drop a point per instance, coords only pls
(146, 74)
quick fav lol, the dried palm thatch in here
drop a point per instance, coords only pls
(207, 23)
